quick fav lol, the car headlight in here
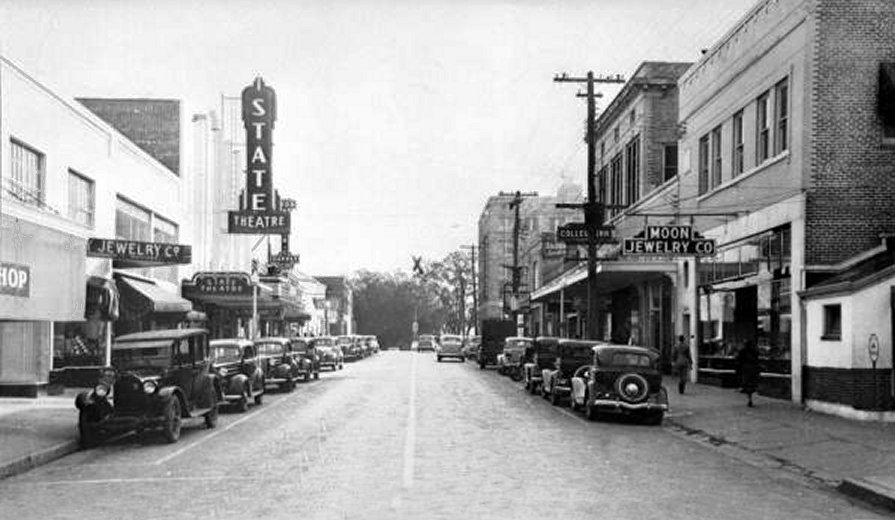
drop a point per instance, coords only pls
(222, 371)
(101, 390)
(149, 387)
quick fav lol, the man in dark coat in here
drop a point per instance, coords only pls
(748, 368)
(682, 362)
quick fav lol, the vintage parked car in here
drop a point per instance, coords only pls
(157, 380)
(350, 350)
(470, 346)
(621, 380)
(281, 370)
(541, 356)
(426, 343)
(241, 371)
(510, 361)
(330, 354)
(451, 345)
(306, 358)
(571, 354)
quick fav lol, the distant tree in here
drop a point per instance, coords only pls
(437, 294)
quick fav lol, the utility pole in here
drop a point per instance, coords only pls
(593, 209)
(475, 292)
(516, 269)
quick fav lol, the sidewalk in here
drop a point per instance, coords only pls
(857, 458)
(36, 431)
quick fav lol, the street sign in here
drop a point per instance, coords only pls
(873, 348)
(577, 233)
(669, 240)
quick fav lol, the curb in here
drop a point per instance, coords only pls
(868, 492)
(33, 460)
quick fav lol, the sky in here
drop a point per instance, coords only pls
(396, 119)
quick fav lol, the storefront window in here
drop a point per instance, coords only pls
(78, 343)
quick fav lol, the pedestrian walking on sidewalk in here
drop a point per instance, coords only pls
(682, 362)
(748, 369)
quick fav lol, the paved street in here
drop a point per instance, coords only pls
(401, 436)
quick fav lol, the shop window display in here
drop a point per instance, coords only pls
(745, 292)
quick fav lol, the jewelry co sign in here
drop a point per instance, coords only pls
(149, 253)
(669, 240)
(260, 209)
(15, 280)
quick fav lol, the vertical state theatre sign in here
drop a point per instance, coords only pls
(260, 208)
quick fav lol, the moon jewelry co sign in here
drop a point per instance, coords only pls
(260, 208)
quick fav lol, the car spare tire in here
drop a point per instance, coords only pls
(631, 388)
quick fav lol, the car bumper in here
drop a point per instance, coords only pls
(622, 406)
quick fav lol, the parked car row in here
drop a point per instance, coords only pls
(355, 347)
(594, 377)
(158, 379)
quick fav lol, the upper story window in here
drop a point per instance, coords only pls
(81, 199)
(632, 116)
(737, 139)
(615, 182)
(781, 117)
(602, 149)
(762, 128)
(703, 164)
(886, 100)
(132, 222)
(632, 171)
(163, 230)
(602, 194)
(716, 157)
(615, 134)
(27, 178)
(669, 161)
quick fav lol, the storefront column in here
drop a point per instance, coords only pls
(562, 314)
(693, 302)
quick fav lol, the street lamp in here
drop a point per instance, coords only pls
(255, 279)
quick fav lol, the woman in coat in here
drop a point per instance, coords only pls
(749, 369)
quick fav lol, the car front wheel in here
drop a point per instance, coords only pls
(88, 437)
(591, 412)
(173, 420)
(211, 416)
(242, 405)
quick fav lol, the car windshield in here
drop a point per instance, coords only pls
(150, 353)
(322, 342)
(518, 343)
(631, 359)
(299, 346)
(270, 348)
(225, 353)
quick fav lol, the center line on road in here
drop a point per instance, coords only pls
(410, 436)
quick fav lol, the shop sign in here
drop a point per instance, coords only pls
(579, 233)
(230, 284)
(285, 260)
(157, 253)
(261, 211)
(15, 280)
(669, 240)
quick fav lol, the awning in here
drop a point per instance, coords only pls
(49, 267)
(612, 275)
(141, 296)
